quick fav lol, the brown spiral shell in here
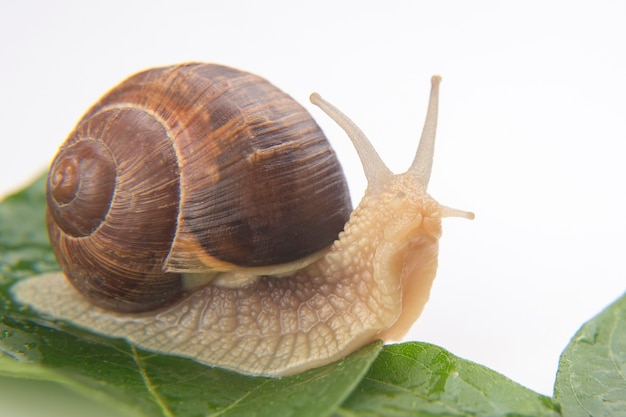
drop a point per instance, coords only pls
(189, 169)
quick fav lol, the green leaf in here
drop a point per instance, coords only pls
(136, 382)
(144, 384)
(24, 247)
(399, 380)
(422, 379)
(591, 380)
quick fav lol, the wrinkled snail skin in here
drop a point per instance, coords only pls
(371, 283)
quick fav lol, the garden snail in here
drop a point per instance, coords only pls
(222, 235)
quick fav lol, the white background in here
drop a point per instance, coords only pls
(532, 126)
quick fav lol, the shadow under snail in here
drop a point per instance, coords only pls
(200, 211)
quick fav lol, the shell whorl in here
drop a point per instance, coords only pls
(117, 263)
(78, 203)
(190, 169)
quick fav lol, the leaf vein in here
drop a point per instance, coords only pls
(148, 382)
(238, 401)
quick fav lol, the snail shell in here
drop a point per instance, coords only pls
(235, 309)
(196, 168)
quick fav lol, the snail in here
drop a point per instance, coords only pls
(199, 211)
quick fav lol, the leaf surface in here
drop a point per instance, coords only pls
(136, 382)
(399, 380)
(411, 379)
(591, 380)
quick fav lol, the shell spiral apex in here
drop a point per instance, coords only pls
(201, 202)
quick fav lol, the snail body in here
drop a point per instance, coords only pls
(348, 285)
